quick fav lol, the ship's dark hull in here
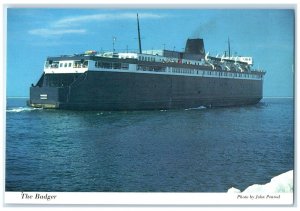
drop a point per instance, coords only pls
(103, 90)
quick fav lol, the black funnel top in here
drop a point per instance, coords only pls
(195, 46)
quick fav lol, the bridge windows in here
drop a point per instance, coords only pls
(66, 64)
(51, 64)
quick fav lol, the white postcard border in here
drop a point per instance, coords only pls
(125, 198)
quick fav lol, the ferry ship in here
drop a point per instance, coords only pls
(150, 79)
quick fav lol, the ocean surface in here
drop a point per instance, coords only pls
(188, 150)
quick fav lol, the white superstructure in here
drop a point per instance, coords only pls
(154, 62)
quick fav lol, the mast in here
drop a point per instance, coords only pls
(139, 35)
(114, 39)
(228, 47)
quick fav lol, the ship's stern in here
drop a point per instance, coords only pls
(47, 97)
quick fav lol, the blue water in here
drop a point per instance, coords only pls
(193, 150)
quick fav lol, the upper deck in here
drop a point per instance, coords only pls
(155, 62)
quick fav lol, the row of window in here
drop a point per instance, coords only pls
(164, 60)
(184, 71)
(74, 64)
(200, 72)
(65, 64)
(147, 58)
(151, 68)
(112, 65)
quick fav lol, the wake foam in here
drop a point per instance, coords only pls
(21, 109)
(282, 183)
(197, 108)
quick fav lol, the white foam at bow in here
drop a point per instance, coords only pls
(282, 183)
(20, 109)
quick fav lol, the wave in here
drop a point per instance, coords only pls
(282, 183)
(21, 109)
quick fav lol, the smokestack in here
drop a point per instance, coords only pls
(195, 46)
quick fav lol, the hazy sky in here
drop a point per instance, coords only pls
(34, 34)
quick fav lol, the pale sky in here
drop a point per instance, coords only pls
(34, 34)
